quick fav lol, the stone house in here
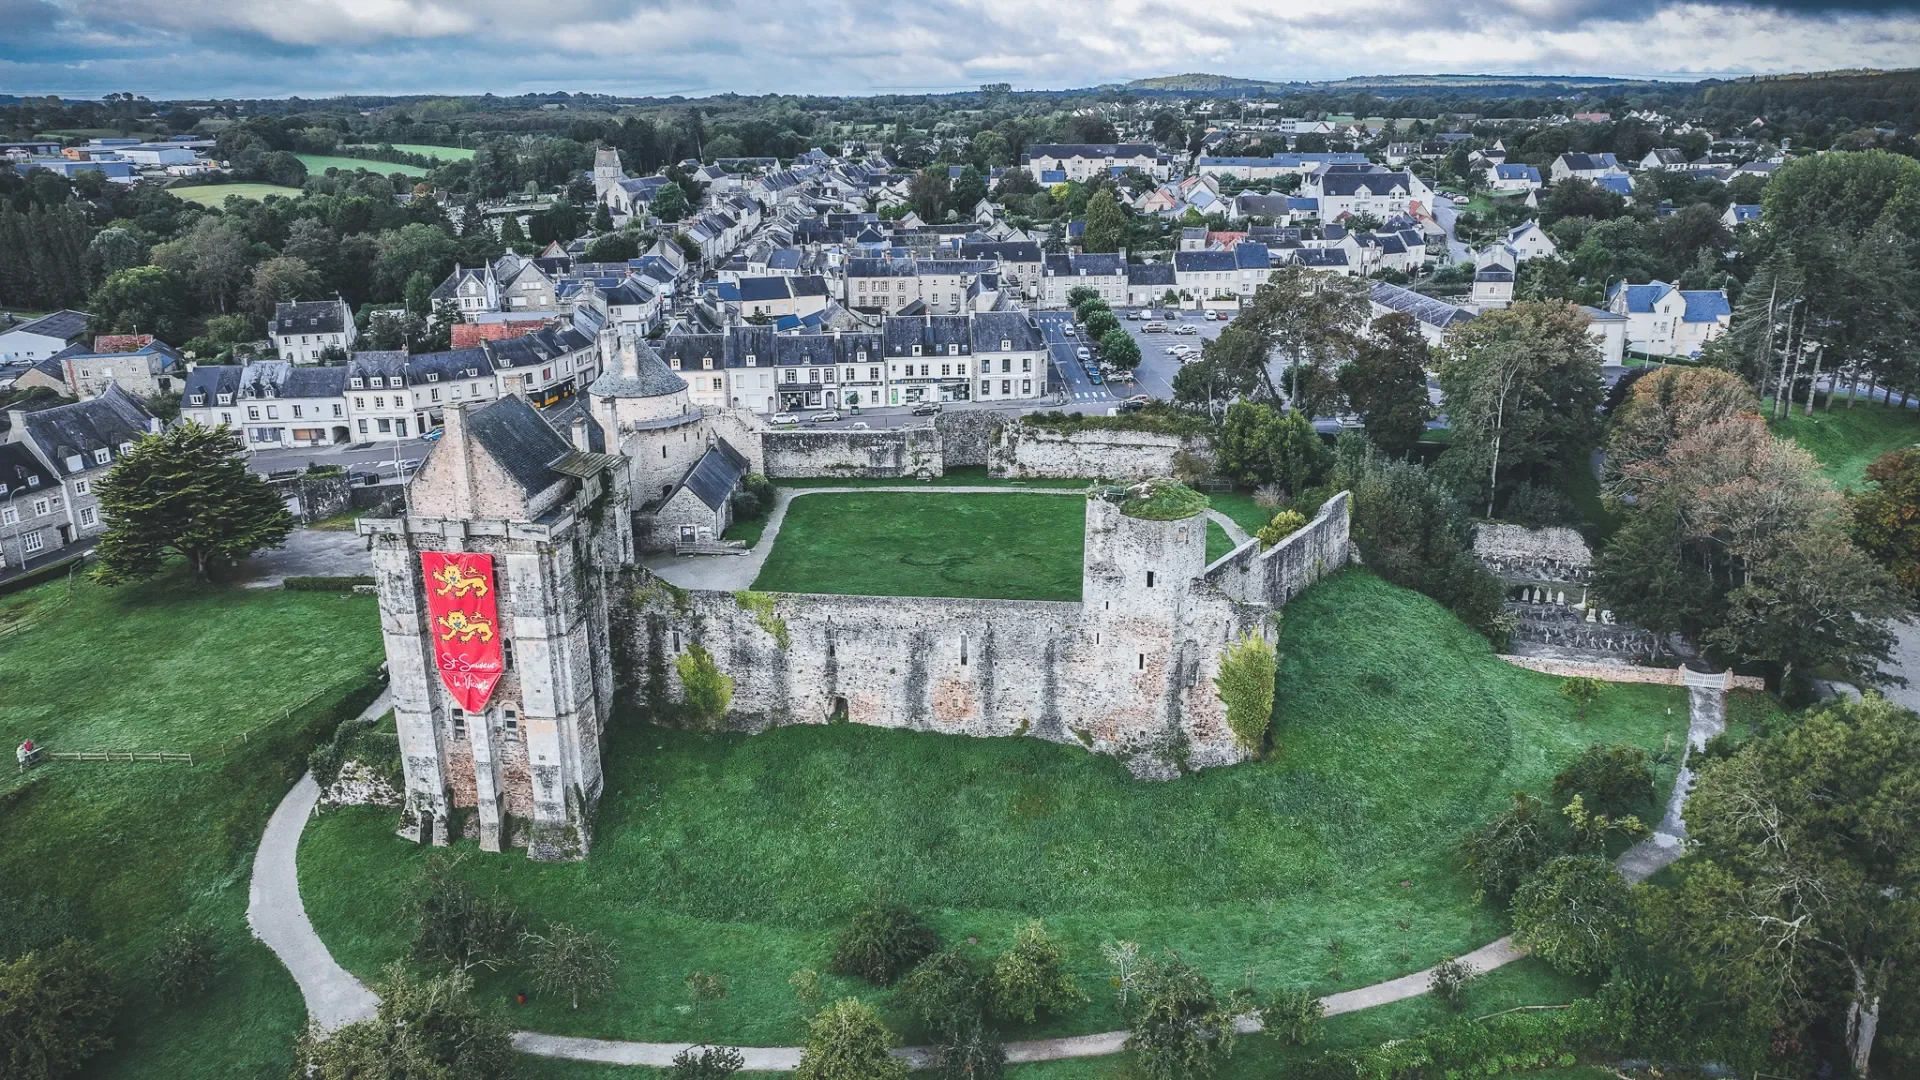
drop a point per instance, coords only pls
(700, 509)
(148, 368)
(303, 330)
(77, 444)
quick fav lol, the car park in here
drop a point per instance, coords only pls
(783, 418)
(828, 417)
(1187, 330)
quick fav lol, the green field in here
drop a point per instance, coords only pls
(743, 854)
(218, 194)
(443, 153)
(320, 163)
(1011, 547)
(1847, 440)
(115, 853)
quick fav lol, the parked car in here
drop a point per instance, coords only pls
(1082, 353)
(410, 464)
(828, 417)
(1141, 398)
(1350, 420)
(783, 418)
(858, 425)
(1186, 330)
(927, 408)
(1134, 316)
(1154, 328)
(1173, 315)
(432, 435)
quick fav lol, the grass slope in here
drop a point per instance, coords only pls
(743, 854)
(1013, 547)
(319, 163)
(218, 194)
(1847, 440)
(135, 847)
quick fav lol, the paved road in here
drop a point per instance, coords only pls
(1444, 213)
(1074, 390)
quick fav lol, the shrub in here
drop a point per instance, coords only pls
(454, 924)
(973, 1053)
(1179, 1028)
(847, 1041)
(945, 992)
(424, 1028)
(570, 962)
(325, 584)
(1164, 499)
(709, 694)
(1293, 1016)
(1032, 977)
(1507, 849)
(1448, 981)
(1245, 686)
(882, 943)
(1612, 780)
(354, 741)
(711, 1063)
(56, 1006)
(1284, 524)
(1583, 691)
(185, 962)
(1573, 913)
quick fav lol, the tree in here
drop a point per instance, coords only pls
(114, 249)
(145, 300)
(213, 258)
(1508, 848)
(1668, 403)
(1245, 686)
(278, 280)
(1106, 223)
(1522, 388)
(1259, 445)
(1886, 516)
(969, 188)
(928, 193)
(1293, 1016)
(1386, 383)
(1100, 320)
(1178, 1028)
(949, 995)
(1614, 780)
(1449, 980)
(1573, 913)
(612, 248)
(847, 1041)
(1079, 295)
(1310, 320)
(571, 962)
(187, 960)
(424, 1028)
(670, 203)
(881, 943)
(1583, 691)
(1118, 348)
(454, 924)
(418, 293)
(1033, 978)
(1798, 900)
(56, 1006)
(188, 490)
(602, 218)
(412, 249)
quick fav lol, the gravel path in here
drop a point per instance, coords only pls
(279, 917)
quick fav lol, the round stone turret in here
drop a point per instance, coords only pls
(1145, 544)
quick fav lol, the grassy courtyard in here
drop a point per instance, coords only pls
(115, 853)
(1847, 440)
(1011, 547)
(218, 194)
(1328, 866)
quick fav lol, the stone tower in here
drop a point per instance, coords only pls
(606, 172)
(552, 513)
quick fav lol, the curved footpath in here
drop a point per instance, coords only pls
(334, 997)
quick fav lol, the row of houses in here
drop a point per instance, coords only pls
(51, 464)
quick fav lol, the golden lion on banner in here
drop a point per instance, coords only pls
(458, 625)
(456, 583)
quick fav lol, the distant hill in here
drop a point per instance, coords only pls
(1200, 83)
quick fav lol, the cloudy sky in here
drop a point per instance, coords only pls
(323, 47)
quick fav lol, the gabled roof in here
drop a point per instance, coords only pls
(1435, 313)
(1517, 172)
(1091, 150)
(1154, 274)
(523, 444)
(1745, 212)
(20, 470)
(1589, 162)
(67, 325)
(990, 328)
(1705, 305)
(311, 317)
(716, 475)
(79, 429)
(1618, 183)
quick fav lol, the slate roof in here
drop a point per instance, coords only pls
(1745, 212)
(523, 444)
(1435, 313)
(1704, 305)
(83, 427)
(1008, 251)
(1590, 162)
(990, 328)
(450, 365)
(210, 381)
(932, 332)
(1250, 202)
(65, 325)
(1190, 262)
(652, 377)
(783, 259)
(1618, 183)
(284, 379)
(763, 288)
(1091, 150)
(1517, 172)
(1324, 257)
(716, 475)
(309, 317)
(1347, 183)
(1640, 298)
(1154, 274)
(20, 470)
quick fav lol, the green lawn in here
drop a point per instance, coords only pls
(1218, 542)
(217, 194)
(1013, 547)
(1847, 440)
(1240, 506)
(319, 163)
(128, 849)
(743, 854)
(748, 531)
(964, 476)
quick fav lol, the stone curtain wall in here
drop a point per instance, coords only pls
(1621, 673)
(1022, 450)
(824, 451)
(966, 436)
(1274, 577)
(320, 496)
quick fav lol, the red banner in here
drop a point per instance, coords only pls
(465, 623)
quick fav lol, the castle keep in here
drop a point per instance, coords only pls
(1128, 670)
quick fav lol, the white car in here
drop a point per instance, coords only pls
(857, 425)
(1082, 354)
(784, 418)
(1187, 330)
(1067, 329)
(828, 417)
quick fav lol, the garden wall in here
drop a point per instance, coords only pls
(1026, 450)
(1620, 673)
(314, 496)
(1274, 577)
(892, 452)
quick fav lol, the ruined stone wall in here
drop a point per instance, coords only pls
(1517, 553)
(318, 496)
(1024, 450)
(1274, 577)
(825, 451)
(965, 436)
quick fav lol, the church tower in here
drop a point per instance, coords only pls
(606, 172)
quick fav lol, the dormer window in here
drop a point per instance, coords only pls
(707, 362)
(197, 399)
(358, 384)
(953, 350)
(378, 382)
(674, 363)
(433, 376)
(102, 456)
(863, 356)
(1006, 344)
(473, 372)
(226, 399)
(126, 448)
(916, 350)
(752, 361)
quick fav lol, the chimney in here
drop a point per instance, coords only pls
(581, 440)
(453, 446)
(629, 358)
(153, 425)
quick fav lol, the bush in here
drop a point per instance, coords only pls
(325, 584)
(1179, 1027)
(709, 694)
(185, 962)
(429, 1028)
(1611, 780)
(1032, 977)
(1573, 913)
(1158, 418)
(1293, 1016)
(945, 992)
(569, 962)
(711, 1063)
(1448, 981)
(1245, 686)
(454, 924)
(847, 1041)
(1284, 524)
(56, 1006)
(1508, 849)
(881, 944)
(356, 741)
(1163, 500)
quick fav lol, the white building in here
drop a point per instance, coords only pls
(303, 331)
(1663, 320)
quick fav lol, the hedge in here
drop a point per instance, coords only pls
(325, 584)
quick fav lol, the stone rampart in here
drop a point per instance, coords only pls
(1033, 451)
(965, 436)
(824, 451)
(1273, 577)
(1621, 673)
